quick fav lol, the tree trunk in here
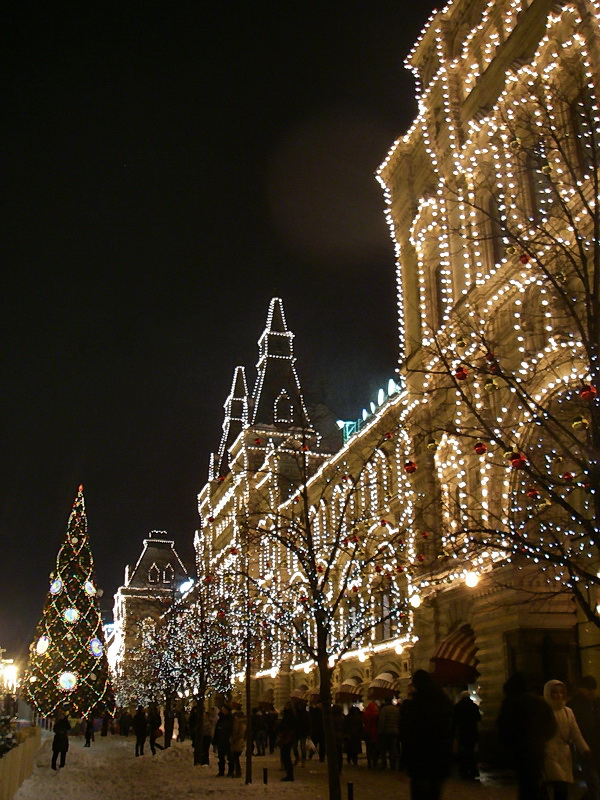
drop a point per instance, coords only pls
(331, 747)
(198, 731)
(169, 720)
(248, 687)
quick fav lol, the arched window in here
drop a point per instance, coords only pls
(153, 574)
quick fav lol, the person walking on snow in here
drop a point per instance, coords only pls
(140, 728)
(60, 743)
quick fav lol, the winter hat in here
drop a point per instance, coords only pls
(552, 702)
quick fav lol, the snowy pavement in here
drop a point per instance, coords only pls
(109, 770)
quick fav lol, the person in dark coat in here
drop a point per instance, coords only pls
(60, 743)
(585, 704)
(125, 723)
(89, 730)
(427, 737)
(154, 726)
(317, 733)
(259, 731)
(302, 731)
(353, 734)
(287, 737)
(140, 728)
(182, 724)
(525, 724)
(222, 738)
(106, 723)
(465, 720)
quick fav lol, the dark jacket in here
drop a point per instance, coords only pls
(427, 729)
(60, 743)
(140, 723)
(525, 723)
(223, 728)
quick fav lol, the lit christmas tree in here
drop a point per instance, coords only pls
(67, 661)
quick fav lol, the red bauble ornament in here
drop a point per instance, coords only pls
(388, 436)
(221, 478)
(378, 568)
(518, 460)
(480, 448)
(208, 579)
(567, 477)
(345, 477)
(320, 568)
(425, 534)
(524, 258)
(355, 588)
(220, 614)
(305, 447)
(495, 368)
(383, 522)
(588, 392)
(399, 569)
(533, 492)
(460, 373)
(490, 357)
(234, 551)
(211, 519)
(420, 557)
(410, 467)
(258, 440)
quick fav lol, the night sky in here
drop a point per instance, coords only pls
(168, 168)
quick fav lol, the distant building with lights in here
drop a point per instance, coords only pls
(148, 590)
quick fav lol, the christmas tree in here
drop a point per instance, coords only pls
(67, 662)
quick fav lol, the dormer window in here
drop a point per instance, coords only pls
(168, 574)
(153, 574)
(284, 411)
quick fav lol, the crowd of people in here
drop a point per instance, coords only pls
(547, 739)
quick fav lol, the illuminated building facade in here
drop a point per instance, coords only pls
(455, 527)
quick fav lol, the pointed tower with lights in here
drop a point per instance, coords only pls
(235, 420)
(277, 399)
(68, 667)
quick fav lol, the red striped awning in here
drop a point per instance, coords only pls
(454, 659)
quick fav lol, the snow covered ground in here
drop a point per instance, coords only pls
(109, 770)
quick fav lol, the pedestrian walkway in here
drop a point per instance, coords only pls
(109, 770)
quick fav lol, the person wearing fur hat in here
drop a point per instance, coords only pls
(558, 762)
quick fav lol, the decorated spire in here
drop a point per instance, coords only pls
(277, 397)
(235, 420)
(67, 661)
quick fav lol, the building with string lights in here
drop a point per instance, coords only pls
(454, 527)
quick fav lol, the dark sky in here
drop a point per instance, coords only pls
(168, 168)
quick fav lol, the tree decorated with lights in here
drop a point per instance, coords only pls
(67, 663)
(508, 374)
(313, 556)
(184, 651)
